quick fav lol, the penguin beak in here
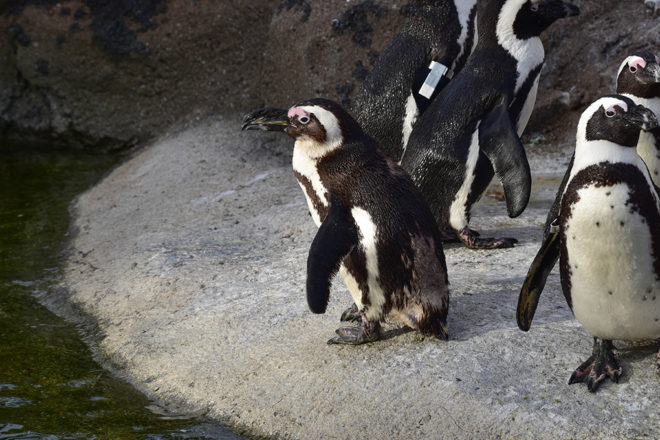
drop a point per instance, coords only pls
(643, 118)
(649, 75)
(267, 119)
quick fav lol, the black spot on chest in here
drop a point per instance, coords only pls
(640, 200)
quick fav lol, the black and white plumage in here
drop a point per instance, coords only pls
(471, 130)
(374, 226)
(607, 238)
(638, 78)
(389, 101)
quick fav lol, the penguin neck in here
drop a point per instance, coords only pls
(589, 153)
(313, 151)
(466, 15)
(528, 53)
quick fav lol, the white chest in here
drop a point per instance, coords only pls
(614, 289)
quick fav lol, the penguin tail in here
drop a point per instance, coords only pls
(434, 323)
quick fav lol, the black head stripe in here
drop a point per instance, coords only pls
(534, 18)
(315, 130)
(350, 129)
(617, 129)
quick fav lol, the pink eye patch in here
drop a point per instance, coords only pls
(296, 111)
(637, 62)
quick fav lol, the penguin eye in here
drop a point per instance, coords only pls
(304, 120)
(610, 112)
(534, 7)
(633, 69)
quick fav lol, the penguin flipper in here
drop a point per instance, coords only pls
(553, 214)
(499, 141)
(336, 238)
(545, 260)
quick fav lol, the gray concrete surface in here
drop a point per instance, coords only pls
(190, 257)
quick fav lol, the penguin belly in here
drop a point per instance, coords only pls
(609, 266)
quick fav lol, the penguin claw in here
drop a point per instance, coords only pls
(368, 332)
(351, 314)
(451, 236)
(472, 240)
(601, 364)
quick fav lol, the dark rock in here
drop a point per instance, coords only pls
(344, 92)
(42, 66)
(360, 72)
(129, 69)
(19, 35)
(80, 13)
(302, 5)
(16, 6)
(356, 20)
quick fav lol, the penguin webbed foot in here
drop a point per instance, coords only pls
(451, 236)
(351, 314)
(601, 364)
(472, 240)
(369, 331)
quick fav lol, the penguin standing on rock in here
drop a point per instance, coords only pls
(471, 130)
(638, 78)
(432, 46)
(374, 226)
(607, 238)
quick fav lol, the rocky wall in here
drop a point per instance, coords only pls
(110, 74)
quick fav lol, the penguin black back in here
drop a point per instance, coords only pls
(388, 103)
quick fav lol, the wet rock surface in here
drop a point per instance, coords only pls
(112, 74)
(191, 257)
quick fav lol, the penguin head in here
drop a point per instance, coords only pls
(615, 119)
(639, 75)
(319, 125)
(535, 16)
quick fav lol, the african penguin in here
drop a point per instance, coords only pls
(374, 226)
(639, 79)
(608, 237)
(431, 47)
(471, 130)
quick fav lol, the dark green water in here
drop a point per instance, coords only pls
(50, 386)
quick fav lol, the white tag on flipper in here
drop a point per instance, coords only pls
(438, 70)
